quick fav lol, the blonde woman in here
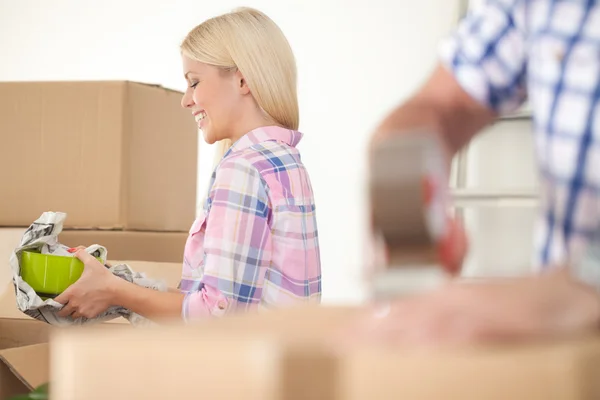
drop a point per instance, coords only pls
(255, 245)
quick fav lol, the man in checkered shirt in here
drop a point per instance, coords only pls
(504, 52)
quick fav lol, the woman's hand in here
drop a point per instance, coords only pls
(93, 293)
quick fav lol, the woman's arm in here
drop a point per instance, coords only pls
(97, 289)
(147, 302)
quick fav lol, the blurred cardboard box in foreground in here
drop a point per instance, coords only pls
(288, 355)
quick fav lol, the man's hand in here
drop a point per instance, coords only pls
(550, 305)
(92, 294)
(444, 108)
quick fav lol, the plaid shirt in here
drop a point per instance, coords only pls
(256, 244)
(548, 51)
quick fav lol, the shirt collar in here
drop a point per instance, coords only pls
(265, 134)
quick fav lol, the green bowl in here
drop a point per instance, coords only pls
(49, 275)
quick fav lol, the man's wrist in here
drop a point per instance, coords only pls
(587, 286)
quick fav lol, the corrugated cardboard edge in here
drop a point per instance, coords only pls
(125, 182)
(157, 86)
(30, 364)
(149, 84)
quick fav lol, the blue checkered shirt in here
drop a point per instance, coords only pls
(547, 52)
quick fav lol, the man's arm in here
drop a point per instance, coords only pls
(441, 106)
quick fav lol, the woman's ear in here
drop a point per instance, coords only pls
(243, 85)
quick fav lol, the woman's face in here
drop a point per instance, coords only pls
(215, 98)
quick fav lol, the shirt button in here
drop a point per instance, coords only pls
(221, 304)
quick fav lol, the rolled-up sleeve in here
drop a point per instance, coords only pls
(237, 243)
(488, 54)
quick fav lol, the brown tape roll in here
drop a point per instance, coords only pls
(409, 224)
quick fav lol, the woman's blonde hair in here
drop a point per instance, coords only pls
(248, 40)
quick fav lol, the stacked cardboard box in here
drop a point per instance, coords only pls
(120, 158)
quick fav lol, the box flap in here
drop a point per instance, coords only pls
(16, 332)
(30, 364)
(23, 361)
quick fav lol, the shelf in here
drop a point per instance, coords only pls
(488, 198)
(491, 193)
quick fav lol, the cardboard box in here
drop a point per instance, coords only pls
(24, 352)
(169, 272)
(24, 356)
(288, 355)
(203, 359)
(152, 371)
(131, 245)
(9, 240)
(177, 362)
(561, 370)
(109, 154)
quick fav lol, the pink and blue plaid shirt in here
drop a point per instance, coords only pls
(255, 246)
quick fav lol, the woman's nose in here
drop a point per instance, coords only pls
(187, 101)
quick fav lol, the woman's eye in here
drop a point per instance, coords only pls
(193, 85)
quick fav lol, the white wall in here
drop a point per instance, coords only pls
(356, 60)
(501, 165)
